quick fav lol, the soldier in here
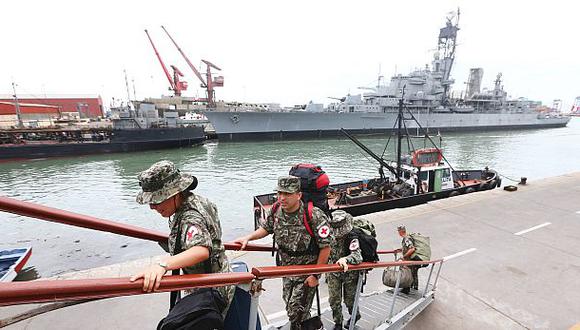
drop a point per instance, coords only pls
(408, 251)
(295, 246)
(343, 253)
(195, 240)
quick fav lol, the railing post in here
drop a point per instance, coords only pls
(395, 293)
(437, 277)
(356, 297)
(255, 291)
(428, 280)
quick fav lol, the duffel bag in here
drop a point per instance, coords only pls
(390, 277)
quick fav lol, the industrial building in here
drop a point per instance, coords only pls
(83, 106)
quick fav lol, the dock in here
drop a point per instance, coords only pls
(512, 261)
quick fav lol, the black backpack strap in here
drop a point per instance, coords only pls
(273, 211)
(174, 296)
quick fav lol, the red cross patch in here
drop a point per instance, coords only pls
(192, 231)
(353, 245)
(324, 231)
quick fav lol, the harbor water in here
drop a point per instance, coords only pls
(105, 186)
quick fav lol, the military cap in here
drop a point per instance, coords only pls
(401, 228)
(341, 223)
(162, 181)
(288, 184)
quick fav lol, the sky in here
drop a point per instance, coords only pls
(287, 52)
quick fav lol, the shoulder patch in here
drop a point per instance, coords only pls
(353, 245)
(191, 232)
(323, 231)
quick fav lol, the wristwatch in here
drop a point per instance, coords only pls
(163, 264)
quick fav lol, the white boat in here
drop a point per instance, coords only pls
(12, 261)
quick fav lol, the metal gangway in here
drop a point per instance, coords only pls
(386, 309)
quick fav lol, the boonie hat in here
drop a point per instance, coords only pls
(288, 184)
(162, 181)
(341, 223)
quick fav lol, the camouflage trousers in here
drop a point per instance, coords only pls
(341, 285)
(298, 297)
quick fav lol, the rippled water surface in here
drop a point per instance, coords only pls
(230, 174)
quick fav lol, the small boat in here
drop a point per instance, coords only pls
(12, 261)
(420, 176)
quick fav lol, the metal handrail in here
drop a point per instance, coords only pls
(300, 270)
(41, 291)
(42, 212)
(62, 290)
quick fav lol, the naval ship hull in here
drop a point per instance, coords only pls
(236, 126)
(126, 140)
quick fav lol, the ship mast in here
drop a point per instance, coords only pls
(17, 106)
(446, 45)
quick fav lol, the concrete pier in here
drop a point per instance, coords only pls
(514, 263)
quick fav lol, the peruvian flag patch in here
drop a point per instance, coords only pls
(353, 245)
(323, 231)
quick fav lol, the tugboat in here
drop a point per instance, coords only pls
(420, 176)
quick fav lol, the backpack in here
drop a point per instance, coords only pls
(422, 246)
(364, 231)
(199, 310)
(313, 184)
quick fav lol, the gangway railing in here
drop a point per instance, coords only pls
(42, 291)
(52, 214)
(72, 290)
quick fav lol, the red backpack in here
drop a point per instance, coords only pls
(313, 184)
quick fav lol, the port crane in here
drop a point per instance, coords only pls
(208, 83)
(176, 85)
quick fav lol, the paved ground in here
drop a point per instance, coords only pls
(530, 280)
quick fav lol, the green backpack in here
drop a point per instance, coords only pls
(366, 226)
(422, 246)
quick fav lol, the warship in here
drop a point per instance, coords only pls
(428, 95)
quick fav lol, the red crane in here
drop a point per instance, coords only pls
(176, 85)
(208, 84)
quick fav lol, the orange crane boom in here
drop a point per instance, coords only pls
(175, 85)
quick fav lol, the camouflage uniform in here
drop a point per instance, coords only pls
(407, 244)
(295, 248)
(340, 284)
(195, 222)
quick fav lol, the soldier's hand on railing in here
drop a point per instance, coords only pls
(243, 241)
(342, 263)
(151, 277)
(311, 281)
